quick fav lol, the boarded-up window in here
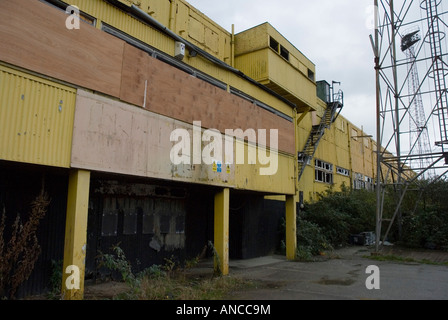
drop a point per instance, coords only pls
(124, 215)
(109, 221)
(162, 210)
(148, 216)
(130, 216)
(179, 211)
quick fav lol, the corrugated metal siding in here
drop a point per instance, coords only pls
(36, 119)
(19, 186)
(107, 13)
(254, 64)
(147, 221)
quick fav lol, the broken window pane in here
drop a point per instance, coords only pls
(180, 224)
(164, 221)
(148, 216)
(130, 216)
(130, 222)
(109, 219)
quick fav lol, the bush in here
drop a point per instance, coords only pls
(328, 222)
(340, 214)
(310, 239)
(426, 228)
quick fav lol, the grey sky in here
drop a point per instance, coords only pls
(334, 35)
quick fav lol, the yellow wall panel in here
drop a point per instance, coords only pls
(259, 94)
(106, 13)
(211, 40)
(158, 9)
(252, 40)
(247, 176)
(196, 30)
(254, 64)
(36, 119)
(290, 47)
(291, 79)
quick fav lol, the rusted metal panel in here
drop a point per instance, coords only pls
(36, 119)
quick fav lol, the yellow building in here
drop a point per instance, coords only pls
(151, 126)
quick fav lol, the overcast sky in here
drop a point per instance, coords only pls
(334, 35)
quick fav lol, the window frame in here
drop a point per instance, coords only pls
(323, 171)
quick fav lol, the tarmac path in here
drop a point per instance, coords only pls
(346, 277)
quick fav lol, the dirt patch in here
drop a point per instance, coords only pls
(104, 291)
(336, 282)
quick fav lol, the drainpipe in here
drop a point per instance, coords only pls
(172, 14)
(296, 150)
(232, 44)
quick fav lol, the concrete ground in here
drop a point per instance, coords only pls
(343, 277)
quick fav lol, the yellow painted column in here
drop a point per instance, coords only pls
(75, 235)
(221, 241)
(291, 227)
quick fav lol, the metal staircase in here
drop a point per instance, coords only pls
(334, 108)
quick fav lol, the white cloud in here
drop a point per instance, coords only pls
(332, 34)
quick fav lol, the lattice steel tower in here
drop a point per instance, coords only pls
(419, 142)
(398, 172)
(439, 67)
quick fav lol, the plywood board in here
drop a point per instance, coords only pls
(34, 36)
(112, 136)
(177, 94)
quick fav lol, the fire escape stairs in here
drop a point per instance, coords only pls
(317, 132)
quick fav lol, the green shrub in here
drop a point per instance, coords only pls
(330, 221)
(310, 239)
(426, 228)
(340, 214)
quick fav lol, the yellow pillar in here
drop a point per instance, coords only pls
(75, 235)
(291, 227)
(221, 241)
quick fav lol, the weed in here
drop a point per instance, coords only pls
(169, 282)
(55, 279)
(19, 255)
